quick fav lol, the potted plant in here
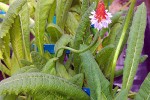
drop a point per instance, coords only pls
(38, 75)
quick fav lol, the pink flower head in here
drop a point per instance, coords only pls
(101, 17)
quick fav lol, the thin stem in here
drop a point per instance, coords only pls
(83, 50)
(4, 6)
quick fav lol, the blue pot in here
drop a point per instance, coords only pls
(86, 90)
(49, 48)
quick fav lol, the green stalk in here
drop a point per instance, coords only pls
(116, 55)
(83, 50)
(4, 7)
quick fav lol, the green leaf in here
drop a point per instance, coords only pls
(103, 56)
(108, 2)
(6, 50)
(82, 27)
(8, 97)
(94, 49)
(89, 39)
(111, 38)
(47, 55)
(104, 97)
(25, 63)
(143, 58)
(120, 43)
(4, 69)
(76, 2)
(17, 40)
(61, 71)
(49, 95)
(84, 6)
(62, 9)
(27, 69)
(5, 1)
(144, 92)
(1, 57)
(40, 21)
(84, 23)
(102, 32)
(55, 32)
(93, 75)
(123, 95)
(24, 22)
(38, 60)
(76, 10)
(27, 83)
(115, 18)
(69, 27)
(50, 66)
(15, 64)
(63, 41)
(77, 79)
(71, 72)
(52, 12)
(12, 13)
(31, 7)
(115, 91)
(134, 48)
(119, 73)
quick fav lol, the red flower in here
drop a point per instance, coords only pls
(101, 17)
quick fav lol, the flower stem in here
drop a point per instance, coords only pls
(83, 50)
